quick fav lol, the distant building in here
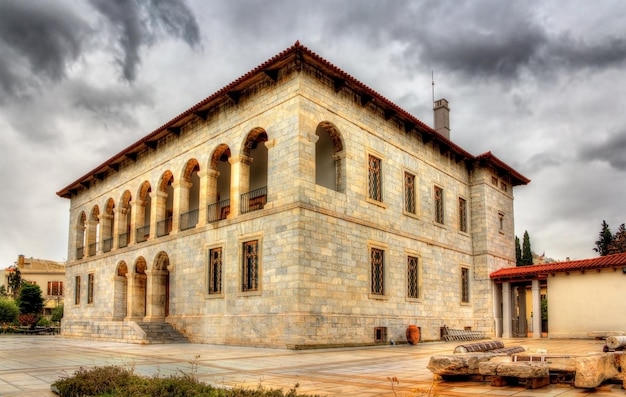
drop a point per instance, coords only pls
(584, 297)
(294, 207)
(48, 275)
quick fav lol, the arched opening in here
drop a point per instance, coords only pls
(125, 214)
(120, 292)
(158, 289)
(329, 157)
(143, 209)
(255, 153)
(81, 236)
(190, 196)
(108, 221)
(218, 189)
(137, 291)
(93, 231)
(165, 204)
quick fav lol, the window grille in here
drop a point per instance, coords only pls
(55, 288)
(438, 204)
(375, 178)
(378, 271)
(464, 285)
(90, 288)
(380, 334)
(409, 193)
(413, 277)
(462, 215)
(250, 269)
(215, 271)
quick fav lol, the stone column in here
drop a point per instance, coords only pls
(106, 230)
(521, 302)
(181, 202)
(92, 235)
(506, 311)
(239, 182)
(130, 299)
(155, 296)
(536, 299)
(136, 219)
(203, 202)
(119, 225)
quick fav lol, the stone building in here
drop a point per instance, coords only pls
(294, 207)
(48, 275)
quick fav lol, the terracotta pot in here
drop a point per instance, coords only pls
(413, 334)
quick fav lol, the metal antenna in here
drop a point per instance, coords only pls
(433, 79)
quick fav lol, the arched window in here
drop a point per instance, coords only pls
(125, 214)
(165, 206)
(329, 157)
(108, 220)
(219, 184)
(256, 152)
(143, 209)
(81, 236)
(190, 196)
(93, 231)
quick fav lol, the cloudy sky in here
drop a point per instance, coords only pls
(541, 84)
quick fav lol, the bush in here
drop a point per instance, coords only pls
(30, 300)
(115, 381)
(57, 313)
(8, 311)
(28, 320)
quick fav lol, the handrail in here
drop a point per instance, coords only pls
(253, 200)
(218, 211)
(189, 220)
(142, 233)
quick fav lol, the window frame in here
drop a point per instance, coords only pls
(371, 246)
(209, 271)
(418, 275)
(90, 287)
(465, 286)
(439, 205)
(259, 265)
(381, 179)
(414, 191)
(463, 215)
(77, 282)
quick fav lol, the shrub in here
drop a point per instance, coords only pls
(8, 311)
(57, 313)
(30, 300)
(28, 320)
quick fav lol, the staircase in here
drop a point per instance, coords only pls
(161, 333)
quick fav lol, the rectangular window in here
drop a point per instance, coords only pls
(438, 204)
(375, 181)
(464, 285)
(250, 268)
(55, 288)
(409, 193)
(90, 288)
(77, 290)
(501, 221)
(462, 215)
(215, 271)
(377, 260)
(413, 289)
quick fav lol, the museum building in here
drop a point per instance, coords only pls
(295, 207)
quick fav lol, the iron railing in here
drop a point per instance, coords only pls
(189, 220)
(164, 227)
(142, 233)
(107, 244)
(218, 211)
(254, 200)
(123, 240)
(93, 248)
(80, 252)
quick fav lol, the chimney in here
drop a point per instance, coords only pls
(20, 261)
(442, 117)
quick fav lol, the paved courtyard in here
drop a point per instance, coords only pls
(30, 364)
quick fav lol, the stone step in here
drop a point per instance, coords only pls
(162, 333)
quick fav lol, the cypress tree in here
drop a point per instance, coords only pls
(527, 254)
(604, 240)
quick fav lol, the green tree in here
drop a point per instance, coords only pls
(527, 253)
(518, 252)
(8, 311)
(604, 240)
(618, 243)
(57, 313)
(30, 300)
(14, 280)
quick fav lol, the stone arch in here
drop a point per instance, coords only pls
(158, 288)
(125, 214)
(219, 184)
(329, 157)
(143, 209)
(253, 174)
(107, 225)
(81, 235)
(165, 204)
(190, 195)
(136, 307)
(120, 291)
(93, 230)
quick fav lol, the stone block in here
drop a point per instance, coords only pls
(593, 370)
(457, 364)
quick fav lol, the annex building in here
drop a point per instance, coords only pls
(294, 207)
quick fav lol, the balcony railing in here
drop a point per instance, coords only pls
(80, 252)
(189, 220)
(164, 227)
(254, 200)
(142, 233)
(122, 240)
(93, 248)
(218, 211)
(107, 244)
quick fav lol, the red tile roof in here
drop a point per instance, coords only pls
(534, 272)
(267, 70)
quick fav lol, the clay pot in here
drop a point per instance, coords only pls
(413, 334)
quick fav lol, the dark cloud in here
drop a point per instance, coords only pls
(38, 40)
(138, 23)
(611, 151)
